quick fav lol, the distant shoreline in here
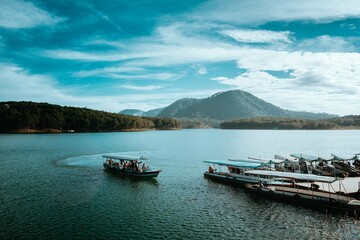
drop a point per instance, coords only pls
(57, 131)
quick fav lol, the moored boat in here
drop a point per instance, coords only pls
(238, 172)
(311, 196)
(128, 166)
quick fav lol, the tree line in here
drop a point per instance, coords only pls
(291, 123)
(42, 116)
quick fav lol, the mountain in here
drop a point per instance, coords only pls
(137, 112)
(177, 108)
(224, 106)
(132, 112)
(234, 104)
(153, 112)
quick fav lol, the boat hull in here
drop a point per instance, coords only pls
(241, 179)
(131, 173)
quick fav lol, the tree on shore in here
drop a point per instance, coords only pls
(42, 116)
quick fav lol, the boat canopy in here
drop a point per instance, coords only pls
(291, 175)
(340, 158)
(251, 160)
(289, 159)
(125, 158)
(306, 157)
(235, 163)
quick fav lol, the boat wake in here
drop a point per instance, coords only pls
(91, 161)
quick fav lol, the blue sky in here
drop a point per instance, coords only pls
(111, 55)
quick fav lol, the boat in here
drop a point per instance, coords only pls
(319, 166)
(345, 165)
(237, 172)
(310, 195)
(128, 166)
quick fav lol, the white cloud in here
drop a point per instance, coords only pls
(151, 76)
(103, 72)
(326, 43)
(24, 14)
(317, 81)
(313, 81)
(202, 70)
(17, 84)
(141, 88)
(348, 26)
(261, 11)
(257, 36)
(87, 56)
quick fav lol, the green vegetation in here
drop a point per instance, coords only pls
(43, 117)
(291, 123)
(347, 121)
(198, 123)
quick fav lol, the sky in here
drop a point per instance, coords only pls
(112, 55)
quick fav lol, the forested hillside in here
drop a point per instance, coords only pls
(43, 116)
(292, 123)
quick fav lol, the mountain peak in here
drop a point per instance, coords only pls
(226, 105)
(229, 105)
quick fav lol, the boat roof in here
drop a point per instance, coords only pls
(247, 160)
(125, 158)
(289, 159)
(340, 158)
(306, 157)
(235, 163)
(291, 175)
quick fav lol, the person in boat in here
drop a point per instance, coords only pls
(144, 167)
(231, 169)
(211, 169)
(136, 166)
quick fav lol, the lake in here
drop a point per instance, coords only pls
(54, 186)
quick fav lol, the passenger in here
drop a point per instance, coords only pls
(136, 167)
(143, 167)
(211, 169)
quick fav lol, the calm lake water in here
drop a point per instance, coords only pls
(53, 186)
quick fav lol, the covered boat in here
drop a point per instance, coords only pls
(236, 172)
(311, 194)
(128, 166)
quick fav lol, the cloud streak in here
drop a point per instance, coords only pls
(248, 12)
(24, 14)
(258, 36)
(141, 88)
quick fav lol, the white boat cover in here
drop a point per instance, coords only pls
(125, 158)
(291, 175)
(234, 164)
